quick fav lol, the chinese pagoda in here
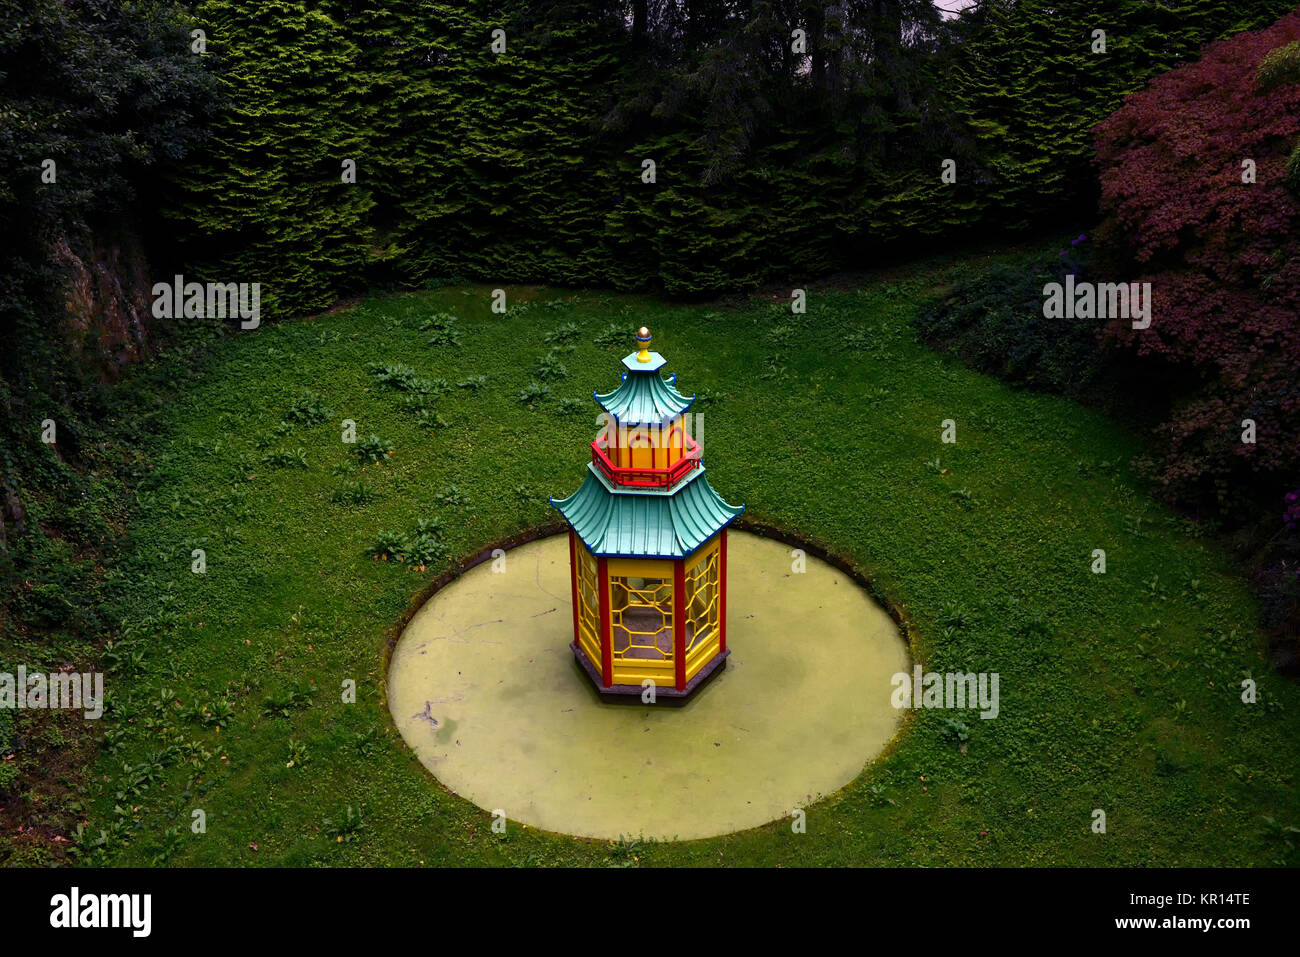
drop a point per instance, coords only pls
(648, 543)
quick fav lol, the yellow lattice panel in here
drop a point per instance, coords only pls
(704, 553)
(703, 608)
(641, 629)
(703, 599)
(588, 607)
(701, 654)
(590, 645)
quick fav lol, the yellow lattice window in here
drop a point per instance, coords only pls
(641, 628)
(703, 608)
(588, 606)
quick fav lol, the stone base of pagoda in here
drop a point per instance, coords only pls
(667, 694)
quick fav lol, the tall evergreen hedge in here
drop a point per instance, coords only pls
(1032, 88)
(264, 200)
(526, 165)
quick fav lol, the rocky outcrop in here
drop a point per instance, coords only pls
(107, 323)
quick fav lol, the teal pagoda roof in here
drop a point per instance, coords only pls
(644, 398)
(646, 523)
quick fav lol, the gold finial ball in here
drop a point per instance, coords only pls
(643, 333)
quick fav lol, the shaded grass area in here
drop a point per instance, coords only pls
(1119, 692)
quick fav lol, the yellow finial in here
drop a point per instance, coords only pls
(643, 344)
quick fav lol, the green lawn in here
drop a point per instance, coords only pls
(1118, 691)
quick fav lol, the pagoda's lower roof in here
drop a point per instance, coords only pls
(646, 523)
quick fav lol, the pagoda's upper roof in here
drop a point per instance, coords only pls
(646, 524)
(644, 398)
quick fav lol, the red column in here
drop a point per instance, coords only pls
(573, 579)
(606, 643)
(722, 593)
(679, 622)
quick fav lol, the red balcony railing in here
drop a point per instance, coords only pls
(643, 477)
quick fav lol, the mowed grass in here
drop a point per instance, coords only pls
(1119, 691)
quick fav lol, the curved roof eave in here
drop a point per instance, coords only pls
(646, 525)
(644, 399)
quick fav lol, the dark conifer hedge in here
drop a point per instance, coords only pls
(772, 162)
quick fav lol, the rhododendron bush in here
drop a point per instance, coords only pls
(1194, 191)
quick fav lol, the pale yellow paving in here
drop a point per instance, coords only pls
(484, 688)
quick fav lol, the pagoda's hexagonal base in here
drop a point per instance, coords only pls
(631, 694)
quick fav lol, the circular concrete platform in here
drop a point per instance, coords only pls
(484, 688)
